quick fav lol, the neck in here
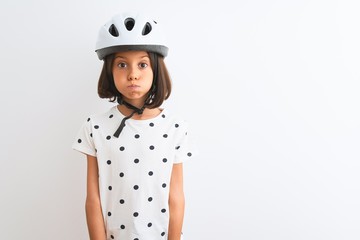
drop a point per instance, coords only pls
(127, 110)
(148, 113)
(139, 103)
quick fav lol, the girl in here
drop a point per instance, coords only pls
(134, 150)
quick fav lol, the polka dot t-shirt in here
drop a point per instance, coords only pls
(135, 170)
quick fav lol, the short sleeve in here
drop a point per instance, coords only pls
(84, 142)
(185, 148)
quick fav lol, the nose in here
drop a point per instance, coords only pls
(133, 74)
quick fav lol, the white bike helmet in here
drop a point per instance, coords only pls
(130, 31)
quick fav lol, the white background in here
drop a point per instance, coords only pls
(270, 88)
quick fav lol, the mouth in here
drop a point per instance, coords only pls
(133, 86)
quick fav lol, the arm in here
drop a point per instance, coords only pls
(94, 215)
(176, 202)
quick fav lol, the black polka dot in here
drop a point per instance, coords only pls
(149, 224)
(176, 125)
(151, 173)
(112, 237)
(88, 119)
(151, 124)
(164, 160)
(122, 226)
(189, 154)
(136, 160)
(111, 116)
(136, 214)
(108, 162)
(108, 137)
(165, 135)
(110, 188)
(90, 134)
(152, 147)
(109, 214)
(150, 199)
(177, 147)
(122, 148)
(163, 116)
(136, 187)
(121, 174)
(163, 210)
(96, 126)
(79, 140)
(137, 136)
(136, 239)
(164, 185)
(163, 234)
(122, 201)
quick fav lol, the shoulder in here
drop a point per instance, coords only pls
(175, 122)
(173, 117)
(100, 121)
(96, 118)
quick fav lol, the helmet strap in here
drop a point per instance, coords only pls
(130, 106)
(135, 110)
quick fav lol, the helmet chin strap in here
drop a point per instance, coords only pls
(135, 109)
(128, 105)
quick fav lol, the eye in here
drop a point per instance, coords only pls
(143, 65)
(122, 65)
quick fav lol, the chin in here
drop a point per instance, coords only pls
(133, 97)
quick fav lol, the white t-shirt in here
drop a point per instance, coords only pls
(135, 170)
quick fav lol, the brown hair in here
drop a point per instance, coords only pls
(162, 81)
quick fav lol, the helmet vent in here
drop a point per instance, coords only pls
(147, 29)
(129, 23)
(113, 30)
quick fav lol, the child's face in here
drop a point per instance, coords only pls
(133, 75)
